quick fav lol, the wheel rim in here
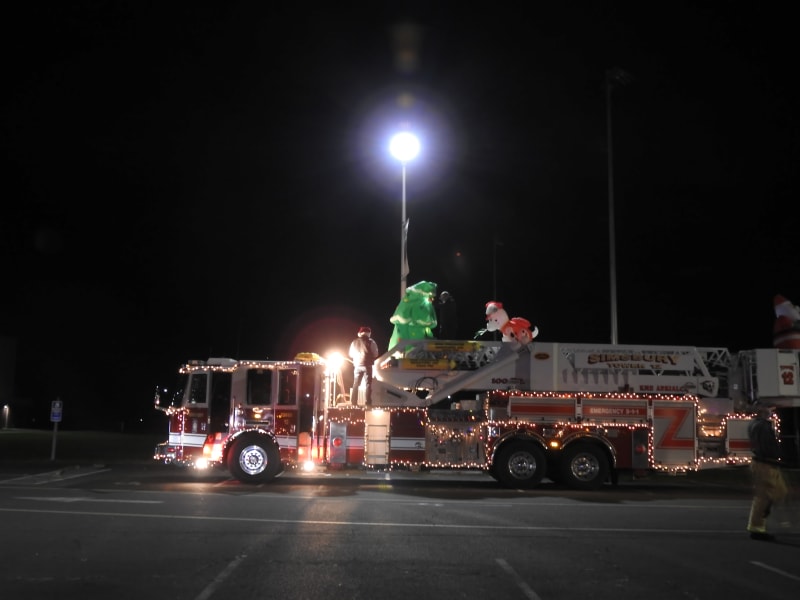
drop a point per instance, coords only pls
(253, 460)
(522, 465)
(585, 467)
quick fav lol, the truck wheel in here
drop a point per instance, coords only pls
(583, 467)
(519, 465)
(254, 459)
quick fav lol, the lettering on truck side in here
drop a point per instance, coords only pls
(605, 411)
(614, 358)
(665, 388)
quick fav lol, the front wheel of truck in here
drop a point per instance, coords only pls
(254, 458)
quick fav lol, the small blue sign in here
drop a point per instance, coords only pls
(56, 407)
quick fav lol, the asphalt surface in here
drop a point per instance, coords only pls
(33, 451)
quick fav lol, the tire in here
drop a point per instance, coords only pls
(583, 467)
(254, 459)
(519, 465)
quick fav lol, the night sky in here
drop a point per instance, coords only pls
(193, 179)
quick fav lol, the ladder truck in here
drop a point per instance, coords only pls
(577, 414)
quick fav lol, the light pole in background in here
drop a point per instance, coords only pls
(404, 146)
(614, 77)
(496, 243)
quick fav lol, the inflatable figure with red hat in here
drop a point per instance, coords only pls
(515, 329)
(786, 331)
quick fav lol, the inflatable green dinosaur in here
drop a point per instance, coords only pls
(415, 315)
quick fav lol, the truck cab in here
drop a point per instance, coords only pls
(251, 416)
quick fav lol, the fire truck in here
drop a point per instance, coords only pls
(576, 414)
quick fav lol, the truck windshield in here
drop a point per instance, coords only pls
(174, 396)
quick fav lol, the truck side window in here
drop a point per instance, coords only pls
(198, 388)
(287, 392)
(259, 386)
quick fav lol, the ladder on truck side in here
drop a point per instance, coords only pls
(422, 372)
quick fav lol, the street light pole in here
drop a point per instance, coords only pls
(404, 147)
(495, 334)
(619, 77)
(612, 258)
(403, 238)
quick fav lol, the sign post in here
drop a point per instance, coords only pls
(56, 407)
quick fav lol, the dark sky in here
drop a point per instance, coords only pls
(193, 179)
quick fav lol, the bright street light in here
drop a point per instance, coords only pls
(404, 147)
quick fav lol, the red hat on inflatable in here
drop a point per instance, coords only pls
(364, 331)
(786, 329)
(493, 306)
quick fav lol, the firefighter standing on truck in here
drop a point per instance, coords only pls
(769, 486)
(363, 352)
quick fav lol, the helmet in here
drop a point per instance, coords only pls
(362, 331)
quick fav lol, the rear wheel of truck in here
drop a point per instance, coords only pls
(254, 459)
(519, 464)
(583, 467)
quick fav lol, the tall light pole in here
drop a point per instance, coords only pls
(404, 146)
(615, 76)
(496, 243)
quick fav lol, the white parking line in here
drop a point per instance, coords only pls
(774, 570)
(82, 499)
(51, 476)
(226, 572)
(526, 589)
(382, 524)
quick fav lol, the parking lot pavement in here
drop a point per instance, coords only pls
(81, 456)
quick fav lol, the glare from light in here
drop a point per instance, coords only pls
(309, 466)
(335, 360)
(404, 146)
(200, 464)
